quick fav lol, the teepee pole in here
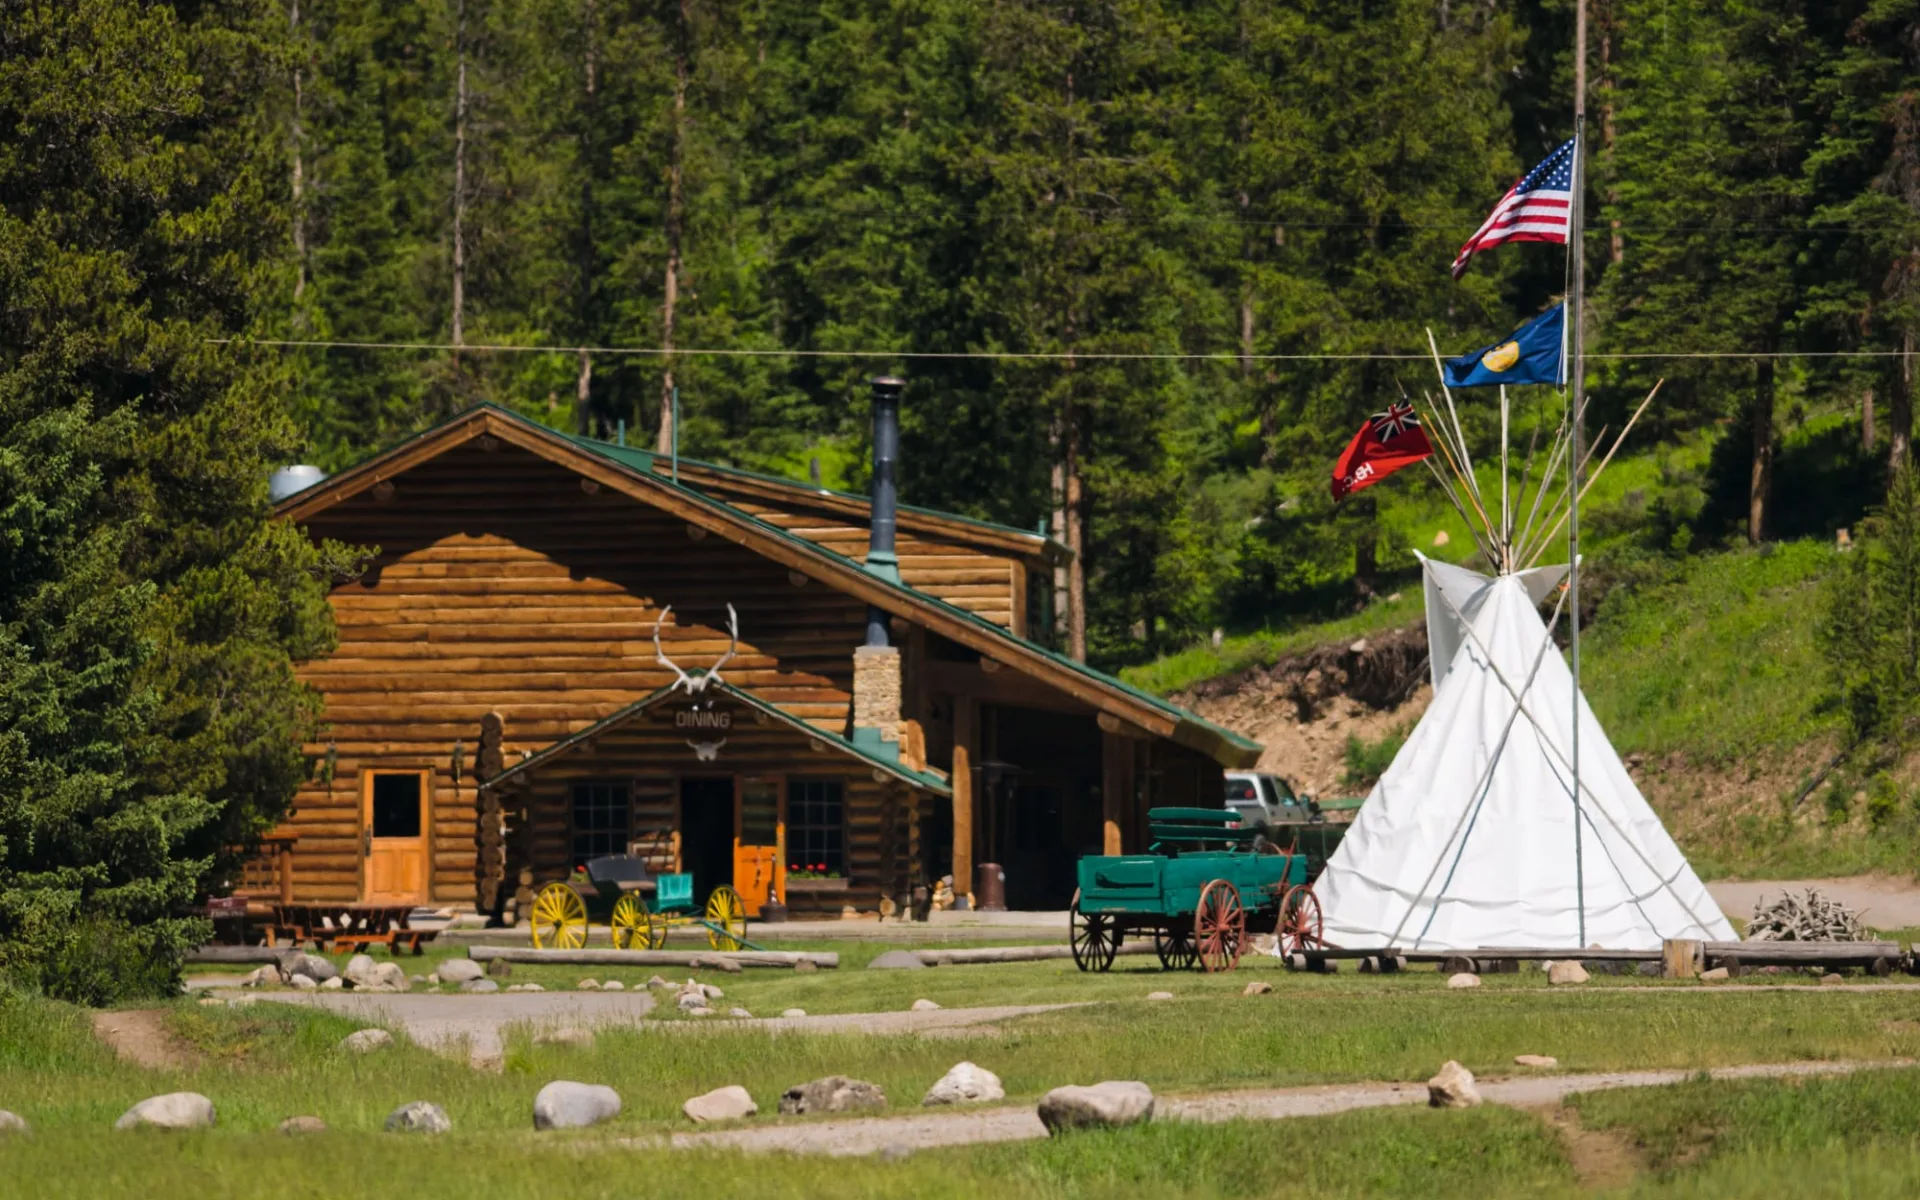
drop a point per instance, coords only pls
(1559, 504)
(1526, 473)
(1591, 479)
(1465, 488)
(1506, 515)
(1459, 434)
(1554, 454)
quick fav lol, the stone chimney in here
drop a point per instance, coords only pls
(876, 693)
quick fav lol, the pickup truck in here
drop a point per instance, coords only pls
(1257, 796)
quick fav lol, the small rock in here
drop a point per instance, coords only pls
(1159, 995)
(965, 1084)
(211, 1002)
(897, 960)
(359, 970)
(688, 1001)
(793, 1012)
(924, 1005)
(708, 990)
(303, 1125)
(1536, 1060)
(377, 977)
(657, 982)
(1452, 1088)
(1717, 975)
(516, 987)
(499, 968)
(333, 985)
(241, 1001)
(1833, 977)
(175, 1110)
(419, 1117)
(714, 962)
(416, 979)
(1566, 971)
(480, 985)
(1258, 987)
(702, 1011)
(13, 1123)
(531, 987)
(613, 985)
(565, 1105)
(588, 985)
(303, 983)
(572, 1035)
(365, 1041)
(433, 979)
(720, 1104)
(1464, 979)
(835, 1093)
(459, 970)
(806, 967)
(1106, 1105)
(739, 1013)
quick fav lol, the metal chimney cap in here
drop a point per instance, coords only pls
(889, 385)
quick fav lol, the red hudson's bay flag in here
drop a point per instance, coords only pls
(1387, 442)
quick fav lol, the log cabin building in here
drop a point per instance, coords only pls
(566, 648)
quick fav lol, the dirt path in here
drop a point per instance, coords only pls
(140, 1036)
(868, 1135)
(1600, 1158)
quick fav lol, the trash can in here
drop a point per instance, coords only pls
(990, 888)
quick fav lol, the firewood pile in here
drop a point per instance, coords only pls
(1808, 918)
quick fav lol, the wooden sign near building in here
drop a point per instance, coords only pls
(523, 682)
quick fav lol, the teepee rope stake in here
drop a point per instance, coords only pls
(1547, 743)
(1463, 829)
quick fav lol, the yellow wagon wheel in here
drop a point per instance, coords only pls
(631, 922)
(656, 930)
(559, 918)
(727, 916)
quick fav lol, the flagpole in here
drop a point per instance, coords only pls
(1577, 335)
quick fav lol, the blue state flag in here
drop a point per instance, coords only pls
(1532, 355)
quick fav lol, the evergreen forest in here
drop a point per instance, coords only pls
(1145, 264)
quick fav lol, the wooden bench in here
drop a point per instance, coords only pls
(344, 927)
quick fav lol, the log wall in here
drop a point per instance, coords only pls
(989, 585)
(650, 755)
(504, 586)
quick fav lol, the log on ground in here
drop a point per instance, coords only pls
(654, 958)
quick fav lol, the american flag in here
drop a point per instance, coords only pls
(1395, 421)
(1537, 209)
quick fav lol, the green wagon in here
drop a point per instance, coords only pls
(1205, 883)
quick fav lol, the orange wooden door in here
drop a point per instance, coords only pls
(759, 843)
(393, 837)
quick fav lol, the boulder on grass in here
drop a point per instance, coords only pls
(1452, 1087)
(1159, 995)
(897, 960)
(1464, 979)
(1567, 971)
(588, 985)
(418, 1117)
(480, 985)
(332, 985)
(925, 1006)
(1536, 1060)
(1258, 987)
(459, 970)
(792, 1013)
(359, 970)
(1107, 1105)
(566, 1105)
(965, 1084)
(175, 1110)
(312, 966)
(499, 968)
(302, 983)
(13, 1123)
(267, 976)
(835, 1093)
(1717, 975)
(365, 1041)
(720, 1104)
(293, 1125)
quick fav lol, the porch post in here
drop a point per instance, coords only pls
(963, 735)
(1116, 787)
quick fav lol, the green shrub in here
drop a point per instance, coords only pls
(98, 961)
(1368, 761)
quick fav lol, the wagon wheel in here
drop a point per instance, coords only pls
(726, 919)
(1302, 927)
(1175, 948)
(631, 921)
(1219, 926)
(656, 929)
(559, 918)
(1095, 940)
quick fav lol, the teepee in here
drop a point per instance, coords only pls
(1474, 838)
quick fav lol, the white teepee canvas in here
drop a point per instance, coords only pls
(1467, 841)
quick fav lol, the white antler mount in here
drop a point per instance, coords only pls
(706, 751)
(697, 684)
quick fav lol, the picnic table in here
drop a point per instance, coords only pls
(346, 927)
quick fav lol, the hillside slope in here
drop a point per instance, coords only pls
(1707, 679)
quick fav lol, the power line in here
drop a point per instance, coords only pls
(1000, 355)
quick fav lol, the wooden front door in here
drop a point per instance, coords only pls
(759, 843)
(393, 837)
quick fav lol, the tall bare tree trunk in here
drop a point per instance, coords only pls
(460, 179)
(675, 214)
(1058, 528)
(1900, 412)
(1866, 421)
(1609, 29)
(1760, 417)
(299, 205)
(583, 385)
(1076, 521)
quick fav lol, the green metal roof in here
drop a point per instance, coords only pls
(882, 755)
(651, 460)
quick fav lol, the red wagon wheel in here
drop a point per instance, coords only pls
(1219, 926)
(1094, 936)
(1302, 927)
(1175, 948)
